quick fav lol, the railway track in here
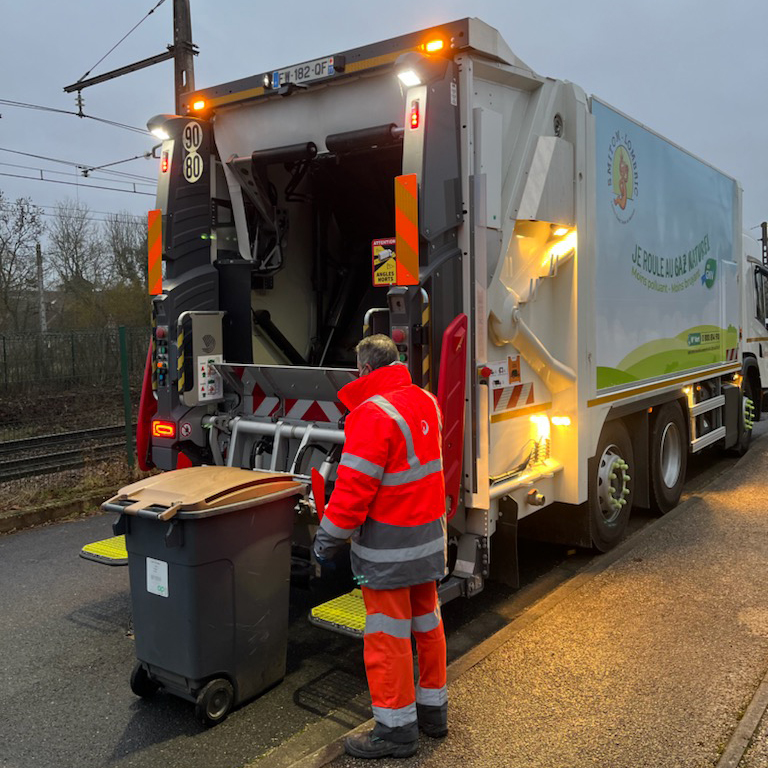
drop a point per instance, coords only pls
(46, 454)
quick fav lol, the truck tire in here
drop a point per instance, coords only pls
(668, 450)
(610, 489)
(748, 395)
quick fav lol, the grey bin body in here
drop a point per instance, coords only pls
(225, 611)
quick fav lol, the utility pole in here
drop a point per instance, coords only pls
(764, 241)
(40, 289)
(182, 52)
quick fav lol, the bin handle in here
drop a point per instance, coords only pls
(138, 511)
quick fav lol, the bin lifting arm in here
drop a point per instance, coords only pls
(512, 329)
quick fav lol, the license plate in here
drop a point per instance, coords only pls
(304, 73)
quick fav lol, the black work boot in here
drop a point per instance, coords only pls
(433, 721)
(366, 745)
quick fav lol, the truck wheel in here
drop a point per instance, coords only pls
(746, 417)
(141, 683)
(669, 457)
(214, 702)
(610, 489)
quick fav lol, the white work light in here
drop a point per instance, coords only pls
(409, 78)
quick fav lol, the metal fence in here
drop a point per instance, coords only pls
(60, 382)
(34, 360)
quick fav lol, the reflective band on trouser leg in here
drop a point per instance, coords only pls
(388, 657)
(427, 626)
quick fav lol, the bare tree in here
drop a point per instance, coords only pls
(21, 226)
(125, 239)
(75, 249)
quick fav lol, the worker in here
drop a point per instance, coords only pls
(389, 498)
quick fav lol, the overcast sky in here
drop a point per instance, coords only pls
(696, 71)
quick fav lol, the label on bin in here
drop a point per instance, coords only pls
(157, 577)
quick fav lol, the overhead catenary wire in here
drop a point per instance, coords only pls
(81, 185)
(25, 105)
(96, 219)
(102, 213)
(89, 176)
(130, 31)
(81, 166)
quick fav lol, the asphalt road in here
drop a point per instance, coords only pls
(67, 655)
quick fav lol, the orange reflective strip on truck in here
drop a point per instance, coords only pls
(407, 229)
(155, 252)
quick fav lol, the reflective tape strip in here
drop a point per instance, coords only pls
(380, 622)
(427, 621)
(361, 465)
(410, 475)
(155, 252)
(407, 229)
(399, 555)
(334, 530)
(394, 718)
(432, 697)
(394, 414)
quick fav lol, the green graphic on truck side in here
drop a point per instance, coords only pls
(710, 272)
(694, 347)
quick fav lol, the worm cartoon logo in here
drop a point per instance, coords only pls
(622, 176)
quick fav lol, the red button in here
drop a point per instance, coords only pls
(485, 371)
(160, 332)
(398, 335)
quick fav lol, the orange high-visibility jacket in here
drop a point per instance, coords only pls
(389, 495)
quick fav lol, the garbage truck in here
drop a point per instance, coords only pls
(566, 281)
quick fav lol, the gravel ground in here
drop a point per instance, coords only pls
(650, 663)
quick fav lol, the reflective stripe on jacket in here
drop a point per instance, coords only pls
(389, 495)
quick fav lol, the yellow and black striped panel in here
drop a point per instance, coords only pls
(180, 359)
(426, 349)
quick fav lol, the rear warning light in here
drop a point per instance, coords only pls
(198, 105)
(415, 119)
(165, 163)
(166, 429)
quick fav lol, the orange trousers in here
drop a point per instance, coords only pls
(392, 616)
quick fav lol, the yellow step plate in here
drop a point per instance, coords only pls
(108, 551)
(344, 614)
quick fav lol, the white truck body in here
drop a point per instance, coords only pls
(597, 263)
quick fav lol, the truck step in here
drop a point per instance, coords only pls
(107, 551)
(344, 614)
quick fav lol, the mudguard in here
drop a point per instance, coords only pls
(147, 409)
(451, 387)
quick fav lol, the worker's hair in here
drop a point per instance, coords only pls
(377, 351)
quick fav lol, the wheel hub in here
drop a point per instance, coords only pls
(612, 483)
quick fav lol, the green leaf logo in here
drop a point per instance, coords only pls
(710, 272)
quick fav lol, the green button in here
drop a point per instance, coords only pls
(403, 357)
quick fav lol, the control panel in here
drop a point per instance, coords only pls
(162, 356)
(200, 348)
(406, 328)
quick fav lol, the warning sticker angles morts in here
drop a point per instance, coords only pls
(384, 261)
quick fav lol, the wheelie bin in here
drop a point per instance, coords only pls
(209, 563)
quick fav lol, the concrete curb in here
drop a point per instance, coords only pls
(19, 519)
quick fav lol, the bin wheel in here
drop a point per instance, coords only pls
(214, 702)
(141, 683)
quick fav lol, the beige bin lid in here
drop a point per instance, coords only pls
(202, 489)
